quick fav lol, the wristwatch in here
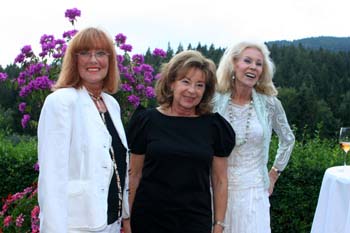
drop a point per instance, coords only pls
(223, 225)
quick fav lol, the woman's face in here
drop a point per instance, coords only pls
(93, 66)
(249, 67)
(188, 91)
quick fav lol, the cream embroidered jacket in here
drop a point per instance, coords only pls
(271, 116)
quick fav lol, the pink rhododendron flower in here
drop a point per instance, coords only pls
(19, 220)
(7, 221)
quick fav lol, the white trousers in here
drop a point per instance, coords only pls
(112, 228)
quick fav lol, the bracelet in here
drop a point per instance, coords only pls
(276, 170)
(223, 225)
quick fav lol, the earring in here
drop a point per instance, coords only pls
(233, 75)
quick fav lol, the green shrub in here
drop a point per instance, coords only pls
(293, 202)
(7, 121)
(295, 197)
(18, 155)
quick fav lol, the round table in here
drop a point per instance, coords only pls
(332, 214)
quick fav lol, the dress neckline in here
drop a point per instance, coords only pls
(178, 117)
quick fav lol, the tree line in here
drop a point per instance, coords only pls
(313, 85)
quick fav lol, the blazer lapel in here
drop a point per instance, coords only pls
(91, 112)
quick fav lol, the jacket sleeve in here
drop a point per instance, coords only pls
(53, 153)
(285, 135)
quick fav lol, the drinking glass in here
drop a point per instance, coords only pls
(344, 141)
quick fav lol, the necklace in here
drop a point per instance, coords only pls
(111, 151)
(241, 141)
(97, 100)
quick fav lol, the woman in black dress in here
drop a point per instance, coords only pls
(178, 151)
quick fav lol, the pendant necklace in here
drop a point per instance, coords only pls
(241, 141)
(97, 100)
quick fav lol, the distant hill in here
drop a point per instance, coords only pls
(325, 42)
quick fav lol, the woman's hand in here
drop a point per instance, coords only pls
(273, 175)
(126, 226)
(218, 229)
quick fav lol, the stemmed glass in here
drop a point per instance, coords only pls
(344, 141)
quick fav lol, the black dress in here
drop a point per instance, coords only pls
(174, 191)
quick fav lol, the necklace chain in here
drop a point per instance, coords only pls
(97, 100)
(241, 141)
(111, 151)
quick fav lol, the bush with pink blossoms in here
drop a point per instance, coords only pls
(3, 77)
(137, 78)
(36, 78)
(19, 212)
(39, 72)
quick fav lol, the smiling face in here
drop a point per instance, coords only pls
(188, 91)
(93, 67)
(248, 67)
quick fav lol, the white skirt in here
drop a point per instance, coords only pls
(248, 211)
(111, 228)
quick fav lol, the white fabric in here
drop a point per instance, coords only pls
(74, 160)
(246, 162)
(112, 228)
(248, 204)
(332, 214)
(248, 211)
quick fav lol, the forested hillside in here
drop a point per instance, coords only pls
(325, 42)
(313, 84)
(314, 87)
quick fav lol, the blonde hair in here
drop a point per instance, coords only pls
(225, 71)
(177, 68)
(89, 38)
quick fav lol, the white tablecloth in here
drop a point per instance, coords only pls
(333, 208)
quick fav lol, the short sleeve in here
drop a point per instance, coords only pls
(136, 131)
(224, 136)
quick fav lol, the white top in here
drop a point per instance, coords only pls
(246, 161)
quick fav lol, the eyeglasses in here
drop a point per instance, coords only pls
(99, 55)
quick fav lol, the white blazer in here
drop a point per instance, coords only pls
(75, 164)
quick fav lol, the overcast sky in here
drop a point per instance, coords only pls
(154, 23)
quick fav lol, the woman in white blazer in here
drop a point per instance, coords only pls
(82, 147)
